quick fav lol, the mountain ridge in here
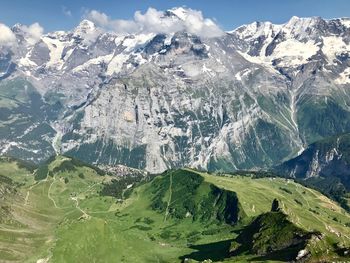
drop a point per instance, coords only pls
(173, 100)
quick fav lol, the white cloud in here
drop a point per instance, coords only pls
(7, 37)
(33, 32)
(99, 18)
(66, 11)
(154, 21)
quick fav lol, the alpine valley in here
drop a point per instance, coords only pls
(184, 145)
(67, 211)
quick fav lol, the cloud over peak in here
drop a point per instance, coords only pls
(155, 21)
(7, 37)
(33, 32)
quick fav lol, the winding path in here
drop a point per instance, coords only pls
(76, 199)
(49, 195)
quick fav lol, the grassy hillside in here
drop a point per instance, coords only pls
(69, 216)
(184, 194)
(271, 236)
(306, 208)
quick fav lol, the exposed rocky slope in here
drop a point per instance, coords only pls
(246, 99)
(325, 165)
(326, 158)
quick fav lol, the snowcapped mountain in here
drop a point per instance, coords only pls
(247, 98)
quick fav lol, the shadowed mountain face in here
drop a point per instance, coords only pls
(269, 235)
(326, 158)
(325, 165)
(249, 98)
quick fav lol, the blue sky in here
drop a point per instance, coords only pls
(65, 14)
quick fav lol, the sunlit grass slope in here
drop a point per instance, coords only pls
(62, 215)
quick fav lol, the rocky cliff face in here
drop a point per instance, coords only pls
(327, 160)
(247, 99)
(325, 166)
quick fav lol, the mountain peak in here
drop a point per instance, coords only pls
(180, 12)
(85, 26)
(17, 28)
(295, 21)
(345, 21)
(256, 29)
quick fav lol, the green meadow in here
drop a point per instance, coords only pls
(62, 216)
